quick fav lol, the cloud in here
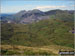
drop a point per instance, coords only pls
(49, 7)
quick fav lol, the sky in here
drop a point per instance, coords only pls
(14, 6)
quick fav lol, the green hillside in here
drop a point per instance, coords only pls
(44, 32)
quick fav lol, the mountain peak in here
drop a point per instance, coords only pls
(22, 11)
(36, 10)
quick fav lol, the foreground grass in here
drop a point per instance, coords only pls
(24, 50)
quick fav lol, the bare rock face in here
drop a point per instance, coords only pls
(31, 16)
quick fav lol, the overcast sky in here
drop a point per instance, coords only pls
(9, 6)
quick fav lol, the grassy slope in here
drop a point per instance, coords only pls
(44, 32)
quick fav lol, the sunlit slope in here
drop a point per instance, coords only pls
(24, 50)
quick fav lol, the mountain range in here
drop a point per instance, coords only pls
(32, 15)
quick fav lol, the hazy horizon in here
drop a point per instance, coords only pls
(29, 10)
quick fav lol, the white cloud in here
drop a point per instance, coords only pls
(73, 5)
(44, 8)
(47, 7)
